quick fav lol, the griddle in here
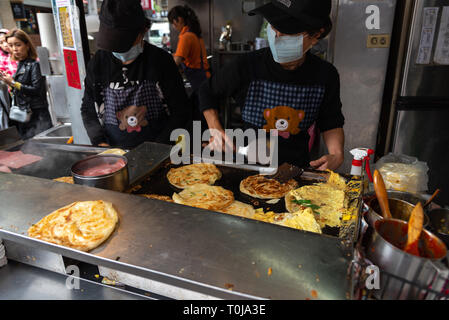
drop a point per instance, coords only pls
(157, 183)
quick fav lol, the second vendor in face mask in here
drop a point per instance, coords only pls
(286, 88)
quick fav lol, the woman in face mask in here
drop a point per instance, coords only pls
(286, 88)
(133, 90)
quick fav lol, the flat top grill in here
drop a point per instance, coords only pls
(157, 183)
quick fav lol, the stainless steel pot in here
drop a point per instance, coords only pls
(403, 276)
(401, 206)
(115, 181)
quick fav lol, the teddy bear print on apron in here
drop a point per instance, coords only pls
(287, 108)
(131, 107)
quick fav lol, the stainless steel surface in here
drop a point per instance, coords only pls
(393, 260)
(155, 287)
(187, 247)
(427, 140)
(116, 181)
(57, 97)
(35, 257)
(362, 72)
(424, 80)
(60, 133)
(21, 282)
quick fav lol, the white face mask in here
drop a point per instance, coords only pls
(286, 48)
(129, 55)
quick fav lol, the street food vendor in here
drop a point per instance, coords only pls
(286, 88)
(133, 90)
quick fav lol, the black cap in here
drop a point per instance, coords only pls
(121, 21)
(296, 16)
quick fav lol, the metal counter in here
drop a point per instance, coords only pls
(22, 282)
(213, 254)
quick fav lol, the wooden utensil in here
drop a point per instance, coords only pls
(381, 193)
(437, 191)
(415, 225)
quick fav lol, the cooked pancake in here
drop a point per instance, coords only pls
(240, 209)
(205, 196)
(336, 181)
(158, 197)
(198, 173)
(260, 187)
(331, 202)
(301, 220)
(80, 225)
(65, 180)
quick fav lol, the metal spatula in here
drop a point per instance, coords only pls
(286, 172)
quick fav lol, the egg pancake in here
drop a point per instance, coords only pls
(80, 225)
(336, 181)
(240, 209)
(65, 180)
(301, 220)
(198, 173)
(158, 197)
(262, 188)
(205, 196)
(331, 202)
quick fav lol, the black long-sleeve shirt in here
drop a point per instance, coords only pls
(289, 101)
(143, 101)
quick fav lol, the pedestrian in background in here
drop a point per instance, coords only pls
(28, 85)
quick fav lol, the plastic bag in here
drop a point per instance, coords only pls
(403, 173)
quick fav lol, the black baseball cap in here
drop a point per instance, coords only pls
(121, 21)
(296, 16)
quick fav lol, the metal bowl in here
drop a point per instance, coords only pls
(115, 181)
(385, 250)
(439, 222)
(401, 206)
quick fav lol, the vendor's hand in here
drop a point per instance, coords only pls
(219, 141)
(330, 161)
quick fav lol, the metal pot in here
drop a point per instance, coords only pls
(115, 181)
(404, 276)
(439, 222)
(401, 206)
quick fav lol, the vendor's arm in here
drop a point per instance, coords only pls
(172, 88)
(88, 111)
(225, 83)
(335, 141)
(331, 122)
(178, 60)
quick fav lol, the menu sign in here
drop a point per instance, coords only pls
(66, 27)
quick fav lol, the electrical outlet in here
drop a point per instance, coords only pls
(378, 41)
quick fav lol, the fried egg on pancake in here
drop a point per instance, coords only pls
(301, 220)
(240, 209)
(205, 196)
(158, 197)
(198, 173)
(262, 188)
(332, 203)
(80, 225)
(65, 180)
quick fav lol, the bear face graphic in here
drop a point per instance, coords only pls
(132, 118)
(284, 119)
